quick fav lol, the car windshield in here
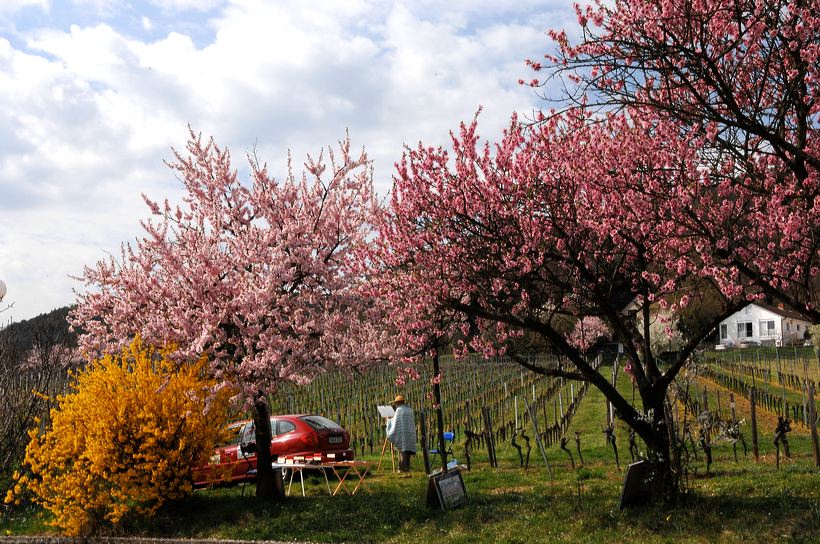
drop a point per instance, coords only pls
(232, 434)
(319, 422)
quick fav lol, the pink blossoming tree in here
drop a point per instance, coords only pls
(555, 222)
(684, 162)
(741, 79)
(260, 277)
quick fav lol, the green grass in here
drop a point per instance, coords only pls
(739, 502)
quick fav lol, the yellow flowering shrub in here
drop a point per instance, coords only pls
(124, 439)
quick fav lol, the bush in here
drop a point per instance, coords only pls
(123, 440)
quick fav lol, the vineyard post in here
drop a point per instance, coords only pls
(439, 412)
(804, 394)
(502, 419)
(543, 409)
(516, 412)
(609, 408)
(754, 423)
(425, 455)
(813, 421)
(782, 381)
(805, 361)
(488, 433)
(755, 369)
(561, 404)
(533, 418)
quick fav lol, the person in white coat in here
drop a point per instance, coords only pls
(401, 432)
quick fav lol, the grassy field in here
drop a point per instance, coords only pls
(738, 502)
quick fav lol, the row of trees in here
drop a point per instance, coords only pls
(680, 167)
(35, 362)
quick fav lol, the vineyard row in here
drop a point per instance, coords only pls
(766, 376)
(797, 412)
(467, 386)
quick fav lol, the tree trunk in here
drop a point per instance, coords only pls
(265, 486)
(659, 443)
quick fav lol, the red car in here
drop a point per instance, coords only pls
(297, 438)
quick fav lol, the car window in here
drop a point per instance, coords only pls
(284, 426)
(248, 433)
(233, 435)
(319, 422)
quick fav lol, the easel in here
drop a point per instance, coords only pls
(392, 460)
(386, 412)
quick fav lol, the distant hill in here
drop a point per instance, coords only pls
(51, 328)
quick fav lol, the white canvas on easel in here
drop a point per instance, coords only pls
(386, 412)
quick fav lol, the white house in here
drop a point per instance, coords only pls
(760, 323)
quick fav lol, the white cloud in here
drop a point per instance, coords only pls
(88, 113)
(180, 5)
(146, 23)
(10, 6)
(101, 7)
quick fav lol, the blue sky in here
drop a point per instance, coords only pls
(95, 93)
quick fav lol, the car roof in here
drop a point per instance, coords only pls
(243, 422)
(235, 424)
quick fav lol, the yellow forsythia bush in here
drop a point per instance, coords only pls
(123, 440)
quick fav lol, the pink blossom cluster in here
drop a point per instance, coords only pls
(261, 277)
(484, 249)
(587, 331)
(741, 79)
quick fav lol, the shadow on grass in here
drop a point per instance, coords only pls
(751, 505)
(224, 513)
(723, 517)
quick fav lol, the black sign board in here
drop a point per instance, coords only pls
(447, 489)
(637, 487)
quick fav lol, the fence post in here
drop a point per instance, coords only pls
(423, 429)
(516, 412)
(488, 433)
(754, 424)
(534, 419)
(469, 416)
(813, 422)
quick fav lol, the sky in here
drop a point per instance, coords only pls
(94, 94)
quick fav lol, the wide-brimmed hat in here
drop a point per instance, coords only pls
(398, 400)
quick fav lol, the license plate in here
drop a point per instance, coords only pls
(335, 440)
